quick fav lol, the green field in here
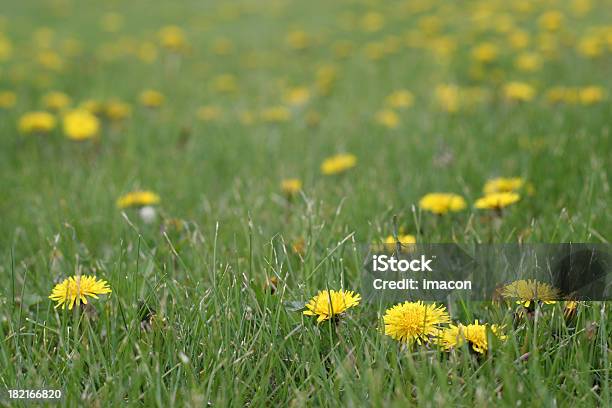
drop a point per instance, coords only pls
(208, 284)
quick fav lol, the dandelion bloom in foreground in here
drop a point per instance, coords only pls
(138, 199)
(80, 124)
(530, 291)
(503, 185)
(291, 186)
(441, 203)
(36, 122)
(76, 289)
(338, 164)
(496, 201)
(476, 335)
(414, 321)
(329, 304)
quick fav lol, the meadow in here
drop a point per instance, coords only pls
(218, 164)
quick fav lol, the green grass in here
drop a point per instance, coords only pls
(219, 336)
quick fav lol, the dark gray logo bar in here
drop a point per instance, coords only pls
(536, 272)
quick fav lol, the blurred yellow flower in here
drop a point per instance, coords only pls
(80, 124)
(387, 118)
(328, 304)
(338, 164)
(172, 38)
(448, 97)
(591, 94)
(503, 185)
(8, 99)
(76, 289)
(6, 48)
(497, 201)
(441, 203)
(291, 186)
(50, 60)
(276, 114)
(297, 96)
(372, 21)
(476, 335)
(138, 199)
(528, 61)
(56, 101)
(485, 52)
(410, 322)
(519, 91)
(151, 98)
(404, 239)
(116, 110)
(298, 40)
(400, 99)
(36, 122)
(551, 20)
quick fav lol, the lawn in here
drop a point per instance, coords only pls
(271, 142)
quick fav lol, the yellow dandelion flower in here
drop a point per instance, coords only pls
(56, 101)
(372, 22)
(519, 91)
(36, 122)
(329, 304)
(75, 290)
(441, 203)
(485, 52)
(551, 20)
(590, 95)
(414, 321)
(528, 62)
(448, 97)
(476, 335)
(387, 118)
(7, 99)
(138, 199)
(276, 114)
(400, 99)
(151, 98)
(298, 40)
(404, 239)
(530, 291)
(497, 201)
(338, 164)
(503, 185)
(172, 38)
(80, 124)
(297, 96)
(291, 186)
(117, 110)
